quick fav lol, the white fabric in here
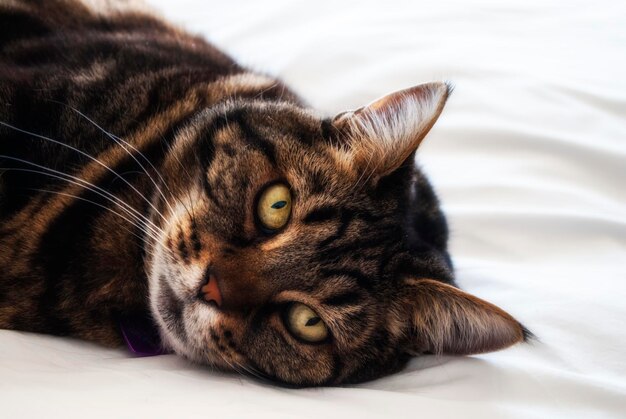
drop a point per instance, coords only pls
(529, 158)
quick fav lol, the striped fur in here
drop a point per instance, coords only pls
(131, 156)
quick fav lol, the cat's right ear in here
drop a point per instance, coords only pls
(443, 319)
(380, 137)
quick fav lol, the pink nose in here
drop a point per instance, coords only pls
(211, 291)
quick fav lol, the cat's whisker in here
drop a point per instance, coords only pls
(133, 222)
(143, 245)
(254, 372)
(183, 168)
(247, 369)
(99, 205)
(122, 143)
(85, 184)
(227, 362)
(89, 157)
(242, 370)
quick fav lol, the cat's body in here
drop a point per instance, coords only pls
(170, 145)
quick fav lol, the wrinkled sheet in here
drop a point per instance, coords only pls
(529, 158)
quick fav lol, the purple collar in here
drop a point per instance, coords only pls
(141, 336)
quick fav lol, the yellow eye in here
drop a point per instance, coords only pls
(305, 324)
(274, 206)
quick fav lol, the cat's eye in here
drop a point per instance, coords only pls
(304, 323)
(274, 207)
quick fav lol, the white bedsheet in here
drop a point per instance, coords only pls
(529, 158)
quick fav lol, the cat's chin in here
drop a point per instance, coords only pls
(194, 340)
(192, 329)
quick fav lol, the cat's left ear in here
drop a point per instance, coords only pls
(442, 319)
(381, 136)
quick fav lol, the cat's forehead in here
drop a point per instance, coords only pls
(270, 118)
(284, 140)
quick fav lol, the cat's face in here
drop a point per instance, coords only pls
(302, 250)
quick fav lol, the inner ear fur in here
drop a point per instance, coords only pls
(443, 319)
(381, 136)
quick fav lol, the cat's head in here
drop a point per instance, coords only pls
(311, 250)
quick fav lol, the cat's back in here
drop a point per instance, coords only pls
(112, 60)
(65, 62)
(102, 50)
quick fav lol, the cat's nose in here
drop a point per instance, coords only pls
(210, 291)
(235, 287)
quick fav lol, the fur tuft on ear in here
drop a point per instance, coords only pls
(446, 320)
(382, 135)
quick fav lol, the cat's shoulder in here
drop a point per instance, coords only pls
(22, 17)
(100, 7)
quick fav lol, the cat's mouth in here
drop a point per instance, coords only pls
(210, 290)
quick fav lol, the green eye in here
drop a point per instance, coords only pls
(274, 206)
(305, 324)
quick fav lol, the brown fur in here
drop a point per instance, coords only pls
(132, 158)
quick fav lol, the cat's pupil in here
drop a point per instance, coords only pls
(312, 321)
(279, 204)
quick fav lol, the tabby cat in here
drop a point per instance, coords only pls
(145, 174)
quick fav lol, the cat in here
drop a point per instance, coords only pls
(146, 175)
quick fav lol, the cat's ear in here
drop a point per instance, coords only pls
(381, 136)
(443, 319)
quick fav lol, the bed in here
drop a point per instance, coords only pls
(529, 159)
